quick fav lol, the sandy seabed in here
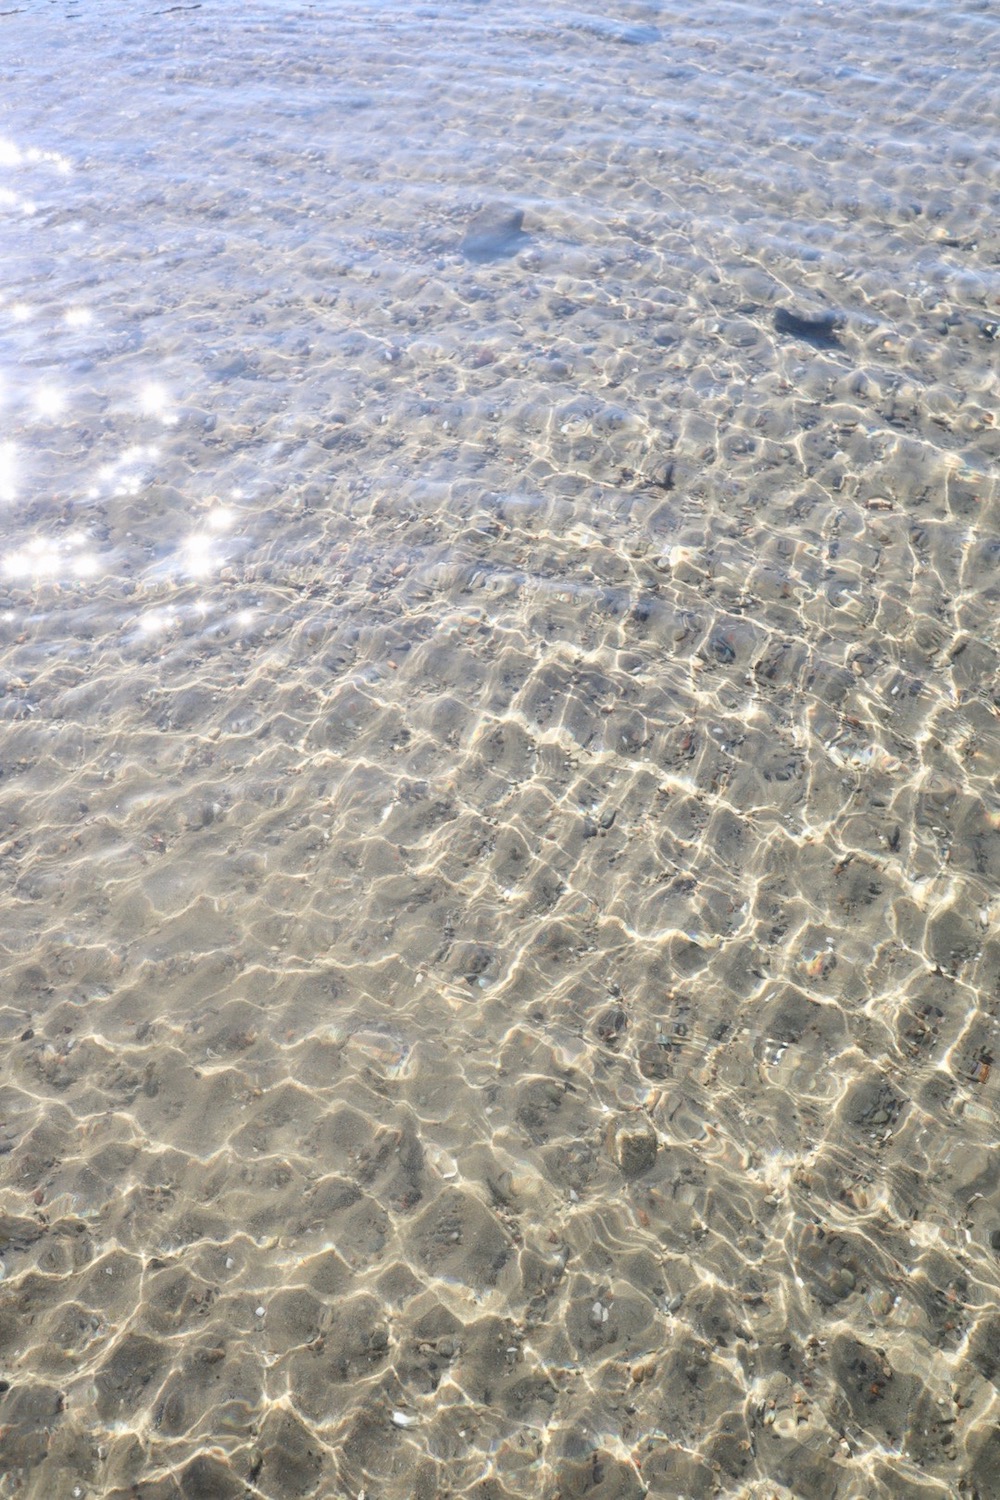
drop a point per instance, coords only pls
(499, 824)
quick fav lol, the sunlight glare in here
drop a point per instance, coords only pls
(86, 565)
(199, 559)
(37, 559)
(47, 558)
(154, 401)
(49, 401)
(156, 622)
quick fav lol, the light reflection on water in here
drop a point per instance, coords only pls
(498, 826)
(69, 558)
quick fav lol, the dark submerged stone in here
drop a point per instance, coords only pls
(494, 234)
(820, 330)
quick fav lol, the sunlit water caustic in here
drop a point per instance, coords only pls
(499, 817)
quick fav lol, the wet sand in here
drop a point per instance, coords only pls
(499, 820)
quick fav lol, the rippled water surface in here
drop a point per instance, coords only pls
(499, 818)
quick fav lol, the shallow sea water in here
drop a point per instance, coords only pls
(499, 824)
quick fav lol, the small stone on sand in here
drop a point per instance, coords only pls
(494, 234)
(634, 1146)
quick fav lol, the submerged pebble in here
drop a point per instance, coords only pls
(494, 234)
(819, 328)
(634, 1145)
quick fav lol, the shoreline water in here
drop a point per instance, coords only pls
(499, 824)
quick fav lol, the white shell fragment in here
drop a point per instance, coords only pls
(598, 1315)
(403, 1419)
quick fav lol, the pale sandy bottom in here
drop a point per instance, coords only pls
(499, 828)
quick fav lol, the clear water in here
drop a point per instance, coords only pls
(499, 580)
